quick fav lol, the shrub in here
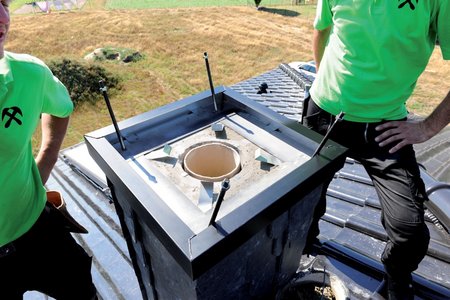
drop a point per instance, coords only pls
(82, 80)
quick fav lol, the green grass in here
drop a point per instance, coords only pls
(241, 41)
(15, 4)
(283, 7)
(139, 4)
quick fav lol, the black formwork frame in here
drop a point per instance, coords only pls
(247, 254)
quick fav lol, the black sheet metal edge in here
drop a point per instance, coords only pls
(210, 245)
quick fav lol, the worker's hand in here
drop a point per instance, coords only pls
(402, 133)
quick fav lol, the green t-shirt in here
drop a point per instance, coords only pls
(27, 89)
(376, 51)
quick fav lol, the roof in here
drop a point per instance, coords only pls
(352, 220)
(351, 230)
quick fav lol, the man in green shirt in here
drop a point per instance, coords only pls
(36, 251)
(369, 55)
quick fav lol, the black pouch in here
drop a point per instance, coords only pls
(55, 199)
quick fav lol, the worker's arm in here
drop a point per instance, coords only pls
(53, 132)
(320, 39)
(415, 132)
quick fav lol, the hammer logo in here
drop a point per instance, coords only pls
(10, 113)
(411, 4)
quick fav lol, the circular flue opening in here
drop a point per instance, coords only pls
(212, 162)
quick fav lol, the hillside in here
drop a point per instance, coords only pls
(241, 41)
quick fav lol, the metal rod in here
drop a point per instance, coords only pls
(103, 89)
(205, 56)
(223, 190)
(339, 118)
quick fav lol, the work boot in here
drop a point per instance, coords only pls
(400, 293)
(400, 289)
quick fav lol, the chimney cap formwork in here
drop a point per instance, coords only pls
(166, 183)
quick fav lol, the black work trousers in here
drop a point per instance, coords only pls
(400, 190)
(46, 259)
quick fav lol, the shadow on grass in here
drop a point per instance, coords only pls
(279, 11)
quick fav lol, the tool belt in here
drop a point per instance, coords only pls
(55, 198)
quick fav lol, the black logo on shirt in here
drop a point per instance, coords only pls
(411, 4)
(10, 113)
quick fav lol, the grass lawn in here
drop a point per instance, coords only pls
(135, 4)
(15, 4)
(242, 42)
(140, 4)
